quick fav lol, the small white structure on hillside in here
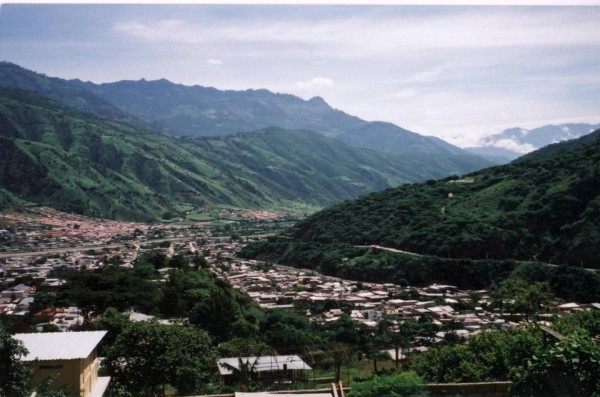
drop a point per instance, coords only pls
(265, 368)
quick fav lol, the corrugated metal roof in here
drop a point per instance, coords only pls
(262, 363)
(60, 345)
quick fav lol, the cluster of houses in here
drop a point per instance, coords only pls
(275, 287)
(16, 301)
(40, 245)
(280, 286)
(43, 228)
(270, 286)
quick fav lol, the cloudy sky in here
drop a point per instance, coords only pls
(456, 72)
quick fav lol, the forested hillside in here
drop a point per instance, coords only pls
(546, 208)
(75, 162)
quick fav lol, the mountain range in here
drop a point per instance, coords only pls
(536, 220)
(142, 150)
(172, 152)
(195, 111)
(72, 161)
(201, 111)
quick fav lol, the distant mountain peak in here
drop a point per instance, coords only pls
(158, 82)
(521, 141)
(317, 100)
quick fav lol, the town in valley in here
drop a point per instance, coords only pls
(39, 245)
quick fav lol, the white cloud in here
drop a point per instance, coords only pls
(514, 146)
(165, 29)
(475, 27)
(459, 73)
(316, 83)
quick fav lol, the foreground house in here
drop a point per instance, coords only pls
(67, 358)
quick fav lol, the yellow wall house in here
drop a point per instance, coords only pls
(68, 358)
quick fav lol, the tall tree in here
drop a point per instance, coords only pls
(147, 355)
(114, 323)
(110, 286)
(401, 339)
(519, 297)
(570, 368)
(346, 337)
(14, 374)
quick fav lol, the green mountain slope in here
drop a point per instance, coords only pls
(16, 77)
(203, 111)
(74, 162)
(546, 208)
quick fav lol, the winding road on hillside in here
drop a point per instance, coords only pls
(393, 250)
(397, 251)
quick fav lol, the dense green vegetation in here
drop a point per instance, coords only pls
(544, 209)
(74, 162)
(14, 374)
(189, 292)
(537, 364)
(401, 384)
(493, 355)
(569, 368)
(146, 356)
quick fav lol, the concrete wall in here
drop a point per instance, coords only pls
(64, 373)
(77, 376)
(88, 374)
